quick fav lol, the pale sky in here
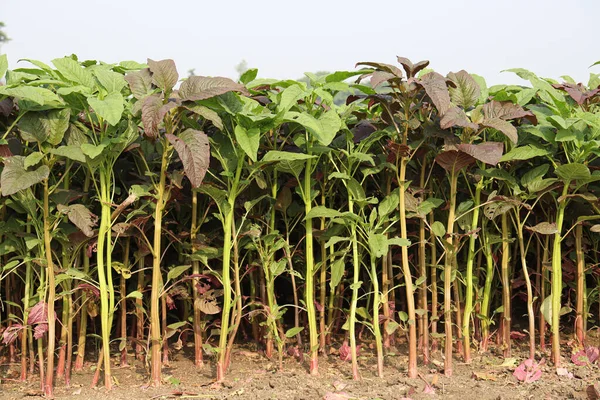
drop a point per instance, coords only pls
(283, 39)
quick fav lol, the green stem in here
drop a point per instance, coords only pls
(310, 265)
(376, 329)
(448, 261)
(226, 274)
(49, 385)
(469, 275)
(557, 276)
(161, 197)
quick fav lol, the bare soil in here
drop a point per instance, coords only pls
(252, 376)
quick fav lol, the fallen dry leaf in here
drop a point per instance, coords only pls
(483, 376)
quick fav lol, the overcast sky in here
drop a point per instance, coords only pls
(283, 39)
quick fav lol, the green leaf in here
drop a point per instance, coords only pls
(33, 159)
(573, 171)
(176, 271)
(467, 90)
(73, 71)
(322, 211)
(164, 74)
(248, 140)
(177, 325)
(378, 244)
(335, 240)
(40, 96)
(389, 204)
(3, 65)
(403, 316)
(135, 295)
(337, 272)
(356, 189)
(428, 205)
(438, 229)
(14, 177)
(323, 129)
(290, 333)
(91, 150)
(546, 309)
(421, 280)
(534, 174)
(249, 76)
(524, 153)
(275, 155)
(110, 108)
(71, 152)
(290, 97)
(398, 242)
(81, 217)
(111, 81)
(193, 149)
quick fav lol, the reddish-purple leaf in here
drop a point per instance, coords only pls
(6, 107)
(502, 126)
(11, 333)
(81, 217)
(91, 289)
(456, 116)
(5, 151)
(586, 356)
(516, 335)
(345, 353)
(151, 115)
(164, 73)
(383, 67)
(529, 371)
(410, 68)
(140, 83)
(435, 87)
(578, 92)
(194, 151)
(378, 77)
(488, 152)
(593, 353)
(39, 330)
(453, 160)
(202, 87)
(38, 314)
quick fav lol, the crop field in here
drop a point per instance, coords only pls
(381, 233)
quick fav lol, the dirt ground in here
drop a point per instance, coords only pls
(252, 376)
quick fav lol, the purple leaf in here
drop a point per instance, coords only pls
(38, 314)
(529, 371)
(11, 333)
(39, 330)
(201, 87)
(164, 73)
(194, 151)
(435, 87)
(488, 152)
(593, 353)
